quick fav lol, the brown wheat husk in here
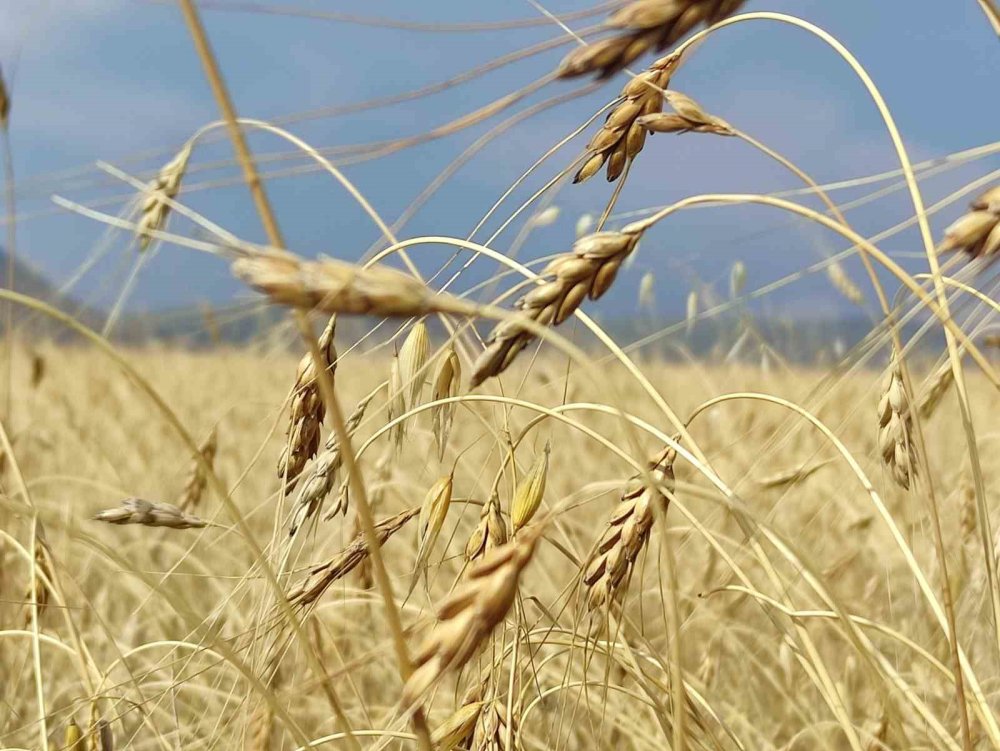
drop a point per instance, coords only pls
(490, 531)
(895, 437)
(588, 271)
(305, 418)
(149, 514)
(642, 26)
(628, 530)
(322, 576)
(977, 232)
(469, 614)
(446, 383)
(324, 472)
(621, 138)
(4, 103)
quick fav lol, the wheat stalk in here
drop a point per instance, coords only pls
(467, 616)
(642, 26)
(588, 271)
(305, 418)
(628, 530)
(194, 486)
(149, 514)
(895, 439)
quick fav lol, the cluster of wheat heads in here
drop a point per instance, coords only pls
(487, 551)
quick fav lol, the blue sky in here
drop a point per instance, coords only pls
(117, 80)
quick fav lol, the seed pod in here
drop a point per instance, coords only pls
(691, 313)
(529, 493)
(149, 514)
(737, 279)
(166, 185)
(843, 283)
(4, 103)
(978, 231)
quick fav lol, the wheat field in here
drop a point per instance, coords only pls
(412, 510)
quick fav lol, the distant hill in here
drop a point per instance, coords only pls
(29, 281)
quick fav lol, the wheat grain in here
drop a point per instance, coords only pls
(494, 727)
(166, 185)
(621, 137)
(452, 732)
(687, 117)
(149, 514)
(843, 283)
(895, 438)
(490, 531)
(324, 471)
(331, 286)
(322, 576)
(628, 530)
(194, 486)
(978, 231)
(469, 614)
(305, 418)
(642, 26)
(588, 271)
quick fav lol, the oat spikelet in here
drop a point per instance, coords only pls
(844, 284)
(896, 429)
(467, 616)
(977, 232)
(687, 117)
(641, 26)
(324, 472)
(332, 286)
(627, 531)
(305, 418)
(73, 737)
(413, 356)
(322, 576)
(588, 271)
(165, 185)
(433, 512)
(40, 584)
(457, 728)
(490, 532)
(197, 477)
(621, 137)
(149, 514)
(446, 383)
(531, 490)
